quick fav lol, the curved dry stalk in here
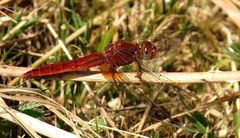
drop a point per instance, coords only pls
(45, 101)
(16, 119)
(39, 126)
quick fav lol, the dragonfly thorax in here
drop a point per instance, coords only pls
(146, 50)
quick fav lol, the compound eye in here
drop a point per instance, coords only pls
(147, 50)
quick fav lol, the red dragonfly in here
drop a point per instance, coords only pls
(117, 54)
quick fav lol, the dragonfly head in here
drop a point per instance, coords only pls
(147, 50)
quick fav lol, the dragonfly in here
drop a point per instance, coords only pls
(116, 54)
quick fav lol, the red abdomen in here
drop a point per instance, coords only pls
(67, 66)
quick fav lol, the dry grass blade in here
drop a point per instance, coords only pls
(230, 9)
(166, 77)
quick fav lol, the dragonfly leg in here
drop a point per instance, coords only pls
(139, 71)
